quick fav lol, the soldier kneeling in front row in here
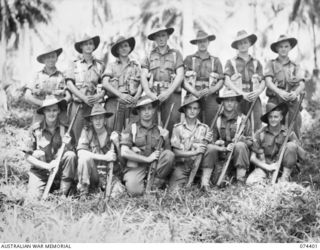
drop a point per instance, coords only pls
(138, 147)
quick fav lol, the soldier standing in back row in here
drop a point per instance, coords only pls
(284, 78)
(48, 81)
(244, 75)
(204, 76)
(166, 68)
(82, 79)
(122, 80)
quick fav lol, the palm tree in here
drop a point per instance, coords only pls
(18, 21)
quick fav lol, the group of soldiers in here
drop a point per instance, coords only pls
(121, 111)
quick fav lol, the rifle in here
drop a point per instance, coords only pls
(284, 144)
(107, 190)
(199, 157)
(159, 111)
(236, 139)
(59, 157)
(152, 171)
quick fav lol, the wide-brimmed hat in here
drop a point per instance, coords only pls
(160, 29)
(121, 39)
(188, 100)
(242, 34)
(85, 38)
(201, 35)
(97, 109)
(283, 38)
(48, 50)
(143, 100)
(52, 100)
(227, 93)
(271, 107)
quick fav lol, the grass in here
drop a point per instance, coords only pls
(263, 213)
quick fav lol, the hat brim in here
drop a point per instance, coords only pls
(220, 99)
(114, 49)
(168, 30)
(209, 37)
(283, 106)
(136, 108)
(40, 57)
(96, 42)
(63, 105)
(105, 113)
(293, 42)
(252, 38)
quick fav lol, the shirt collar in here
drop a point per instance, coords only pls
(157, 50)
(203, 57)
(240, 58)
(184, 123)
(233, 116)
(283, 130)
(54, 72)
(44, 125)
(286, 63)
(151, 127)
(119, 62)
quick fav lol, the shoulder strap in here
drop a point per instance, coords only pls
(212, 63)
(219, 125)
(62, 130)
(134, 132)
(234, 65)
(174, 58)
(193, 63)
(239, 121)
(255, 66)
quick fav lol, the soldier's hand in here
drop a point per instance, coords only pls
(52, 164)
(114, 137)
(272, 166)
(110, 156)
(204, 92)
(209, 136)
(164, 133)
(93, 99)
(127, 98)
(154, 156)
(230, 146)
(246, 97)
(293, 96)
(284, 95)
(201, 149)
(136, 150)
(153, 96)
(86, 101)
(66, 139)
(219, 142)
(190, 73)
(253, 95)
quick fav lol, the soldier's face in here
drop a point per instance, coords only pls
(51, 113)
(275, 118)
(244, 45)
(146, 112)
(87, 47)
(230, 104)
(98, 121)
(203, 45)
(284, 48)
(161, 38)
(192, 110)
(50, 60)
(124, 49)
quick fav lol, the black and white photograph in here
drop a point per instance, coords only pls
(159, 121)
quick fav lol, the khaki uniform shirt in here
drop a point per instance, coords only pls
(184, 138)
(126, 79)
(271, 143)
(163, 66)
(89, 141)
(42, 139)
(203, 66)
(246, 69)
(285, 76)
(45, 84)
(85, 76)
(146, 139)
(228, 129)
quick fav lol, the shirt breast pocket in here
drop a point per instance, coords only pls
(140, 141)
(168, 64)
(154, 63)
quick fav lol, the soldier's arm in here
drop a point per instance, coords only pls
(219, 70)
(228, 72)
(260, 164)
(145, 84)
(187, 86)
(130, 155)
(74, 90)
(37, 163)
(31, 99)
(99, 157)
